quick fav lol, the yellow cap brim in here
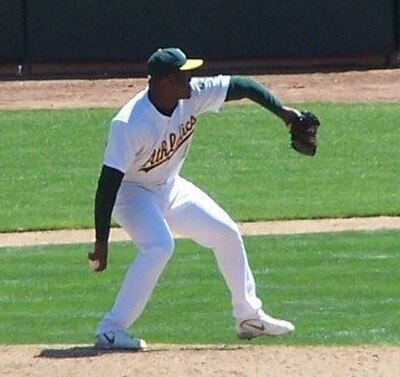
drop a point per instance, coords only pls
(191, 64)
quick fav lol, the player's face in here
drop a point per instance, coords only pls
(180, 80)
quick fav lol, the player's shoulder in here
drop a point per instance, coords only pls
(202, 84)
(133, 111)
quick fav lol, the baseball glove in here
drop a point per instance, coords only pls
(303, 133)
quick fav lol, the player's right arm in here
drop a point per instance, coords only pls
(107, 188)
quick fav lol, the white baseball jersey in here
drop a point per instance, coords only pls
(149, 147)
(154, 204)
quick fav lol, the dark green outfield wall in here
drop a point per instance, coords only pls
(121, 30)
(11, 30)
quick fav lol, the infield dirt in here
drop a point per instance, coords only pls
(215, 360)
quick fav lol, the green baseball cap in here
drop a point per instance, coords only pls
(166, 60)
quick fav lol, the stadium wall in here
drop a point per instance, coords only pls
(113, 38)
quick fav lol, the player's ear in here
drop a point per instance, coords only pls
(173, 75)
(166, 79)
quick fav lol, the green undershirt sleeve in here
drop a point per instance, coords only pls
(108, 185)
(245, 87)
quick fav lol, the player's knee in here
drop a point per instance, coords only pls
(163, 248)
(229, 234)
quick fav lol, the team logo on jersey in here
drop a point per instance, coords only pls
(170, 146)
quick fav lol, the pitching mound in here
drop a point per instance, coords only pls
(220, 361)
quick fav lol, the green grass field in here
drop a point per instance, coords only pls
(51, 161)
(337, 288)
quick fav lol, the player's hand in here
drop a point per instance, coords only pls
(98, 257)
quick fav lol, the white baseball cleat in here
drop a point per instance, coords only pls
(118, 339)
(264, 325)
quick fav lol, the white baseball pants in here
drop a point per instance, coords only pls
(151, 216)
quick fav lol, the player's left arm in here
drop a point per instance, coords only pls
(241, 87)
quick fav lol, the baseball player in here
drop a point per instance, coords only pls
(140, 186)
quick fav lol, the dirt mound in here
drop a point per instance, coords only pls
(219, 361)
